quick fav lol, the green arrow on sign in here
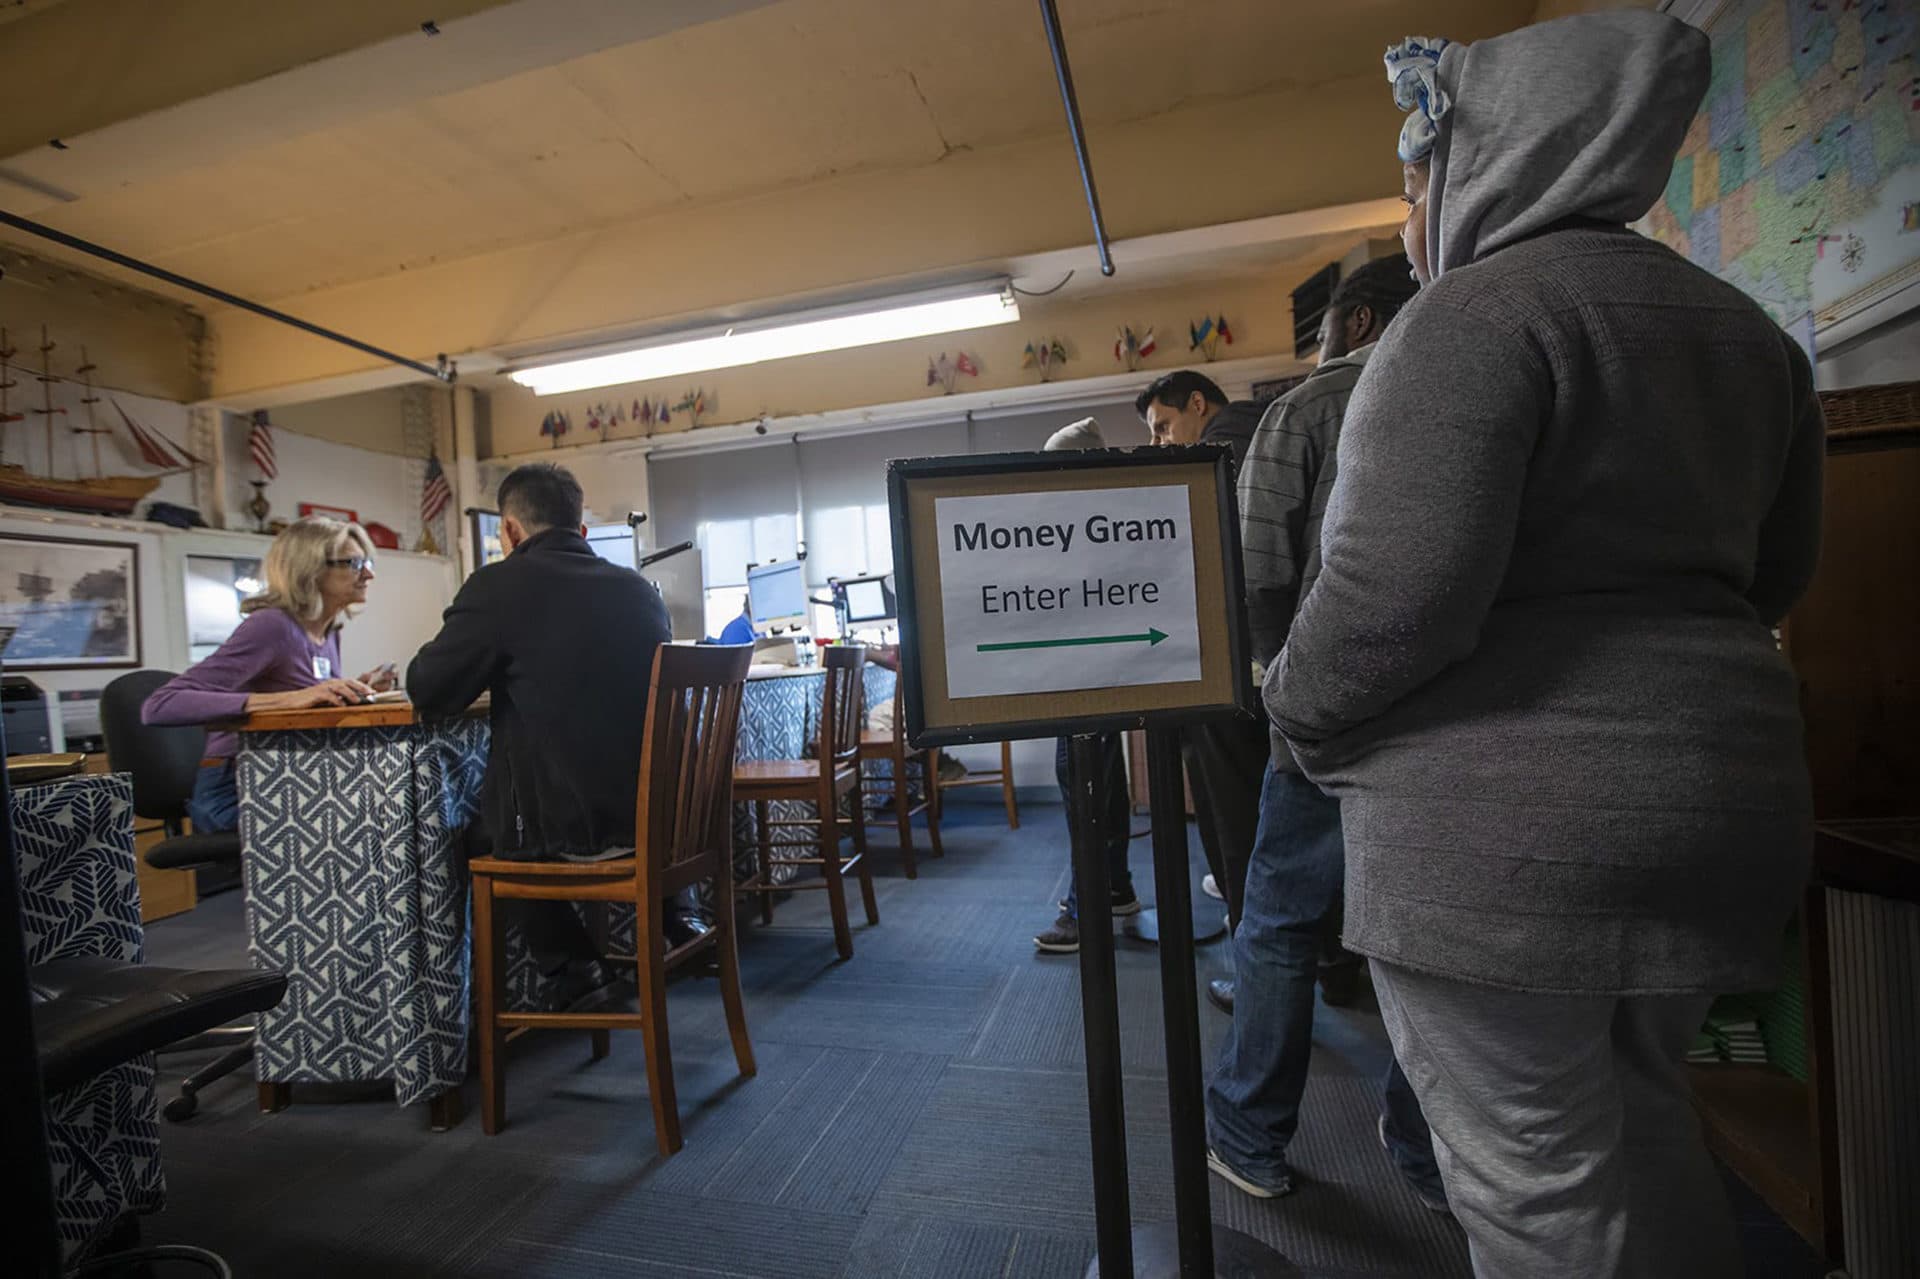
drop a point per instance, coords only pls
(1149, 637)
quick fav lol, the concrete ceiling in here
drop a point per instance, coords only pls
(328, 161)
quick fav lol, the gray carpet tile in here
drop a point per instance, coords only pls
(1010, 1147)
(940, 1248)
(919, 1112)
(645, 1231)
(825, 1144)
(861, 1006)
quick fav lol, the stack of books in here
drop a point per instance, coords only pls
(1731, 1034)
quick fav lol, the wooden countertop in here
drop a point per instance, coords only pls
(378, 715)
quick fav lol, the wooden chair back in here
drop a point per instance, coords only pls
(684, 822)
(843, 707)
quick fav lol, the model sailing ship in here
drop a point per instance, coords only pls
(99, 493)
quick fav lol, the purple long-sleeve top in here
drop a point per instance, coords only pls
(270, 652)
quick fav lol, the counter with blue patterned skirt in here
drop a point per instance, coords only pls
(351, 821)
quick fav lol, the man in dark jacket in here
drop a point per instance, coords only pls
(1225, 762)
(564, 641)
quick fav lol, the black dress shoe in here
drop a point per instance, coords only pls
(683, 927)
(1220, 994)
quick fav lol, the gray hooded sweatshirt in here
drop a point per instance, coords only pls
(1579, 481)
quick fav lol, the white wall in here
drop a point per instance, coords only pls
(612, 482)
(407, 599)
(380, 487)
(409, 594)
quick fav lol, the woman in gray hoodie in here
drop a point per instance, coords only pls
(1580, 480)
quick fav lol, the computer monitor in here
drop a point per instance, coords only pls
(869, 599)
(777, 594)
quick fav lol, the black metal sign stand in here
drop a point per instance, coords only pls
(1194, 1248)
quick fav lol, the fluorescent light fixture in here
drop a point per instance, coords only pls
(778, 339)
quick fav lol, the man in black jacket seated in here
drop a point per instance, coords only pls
(564, 640)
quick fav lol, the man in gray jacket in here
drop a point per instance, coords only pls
(1579, 482)
(1290, 911)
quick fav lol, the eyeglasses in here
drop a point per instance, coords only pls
(354, 563)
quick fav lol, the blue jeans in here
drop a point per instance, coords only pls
(1295, 891)
(1114, 813)
(215, 805)
(1293, 898)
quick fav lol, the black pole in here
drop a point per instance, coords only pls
(444, 372)
(1100, 1012)
(1193, 1214)
(1064, 74)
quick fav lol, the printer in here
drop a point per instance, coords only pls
(23, 705)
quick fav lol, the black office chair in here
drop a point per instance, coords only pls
(164, 763)
(90, 1014)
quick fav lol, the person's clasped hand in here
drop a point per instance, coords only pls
(382, 678)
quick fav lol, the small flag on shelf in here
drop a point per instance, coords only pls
(260, 445)
(435, 493)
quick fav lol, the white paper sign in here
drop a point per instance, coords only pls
(1046, 592)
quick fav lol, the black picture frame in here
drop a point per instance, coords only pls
(902, 472)
(20, 654)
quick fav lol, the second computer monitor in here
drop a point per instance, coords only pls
(777, 594)
(869, 599)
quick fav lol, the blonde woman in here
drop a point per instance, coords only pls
(284, 656)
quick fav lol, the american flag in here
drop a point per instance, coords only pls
(435, 493)
(260, 445)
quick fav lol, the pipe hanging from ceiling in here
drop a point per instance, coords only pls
(442, 370)
(1064, 74)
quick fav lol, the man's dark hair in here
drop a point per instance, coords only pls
(1382, 285)
(541, 495)
(1176, 388)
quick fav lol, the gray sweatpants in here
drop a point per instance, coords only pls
(1563, 1128)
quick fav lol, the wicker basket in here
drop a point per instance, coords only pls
(1873, 410)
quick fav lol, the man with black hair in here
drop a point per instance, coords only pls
(1185, 407)
(1291, 903)
(564, 641)
(1225, 762)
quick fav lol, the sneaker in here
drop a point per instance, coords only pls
(1211, 887)
(1240, 1181)
(1062, 939)
(1122, 903)
(1432, 1196)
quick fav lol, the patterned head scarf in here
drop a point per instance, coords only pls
(1413, 68)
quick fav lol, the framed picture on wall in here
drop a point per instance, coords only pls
(75, 605)
(340, 513)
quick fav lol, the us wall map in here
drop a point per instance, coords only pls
(1800, 179)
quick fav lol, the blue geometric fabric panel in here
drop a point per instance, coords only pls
(103, 1139)
(80, 896)
(78, 891)
(356, 888)
(354, 892)
(779, 719)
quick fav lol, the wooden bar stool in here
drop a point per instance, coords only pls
(823, 781)
(891, 749)
(1004, 778)
(684, 830)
